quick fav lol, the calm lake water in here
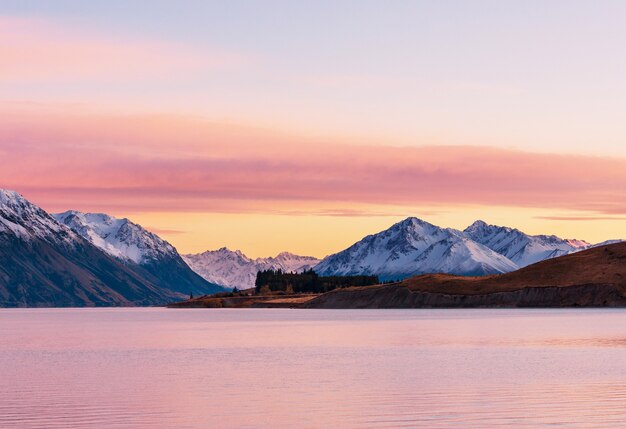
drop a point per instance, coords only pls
(159, 368)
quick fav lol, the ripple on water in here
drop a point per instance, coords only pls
(137, 368)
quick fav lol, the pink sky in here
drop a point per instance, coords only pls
(164, 163)
(167, 121)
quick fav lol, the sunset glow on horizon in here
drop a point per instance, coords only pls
(208, 127)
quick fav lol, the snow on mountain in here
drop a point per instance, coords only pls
(414, 246)
(45, 263)
(25, 220)
(234, 269)
(523, 249)
(605, 243)
(150, 255)
(120, 238)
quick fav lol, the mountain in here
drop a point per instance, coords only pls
(523, 249)
(595, 277)
(44, 263)
(144, 252)
(606, 243)
(234, 269)
(414, 246)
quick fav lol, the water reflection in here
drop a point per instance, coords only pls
(313, 368)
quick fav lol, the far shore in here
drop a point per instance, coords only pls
(246, 301)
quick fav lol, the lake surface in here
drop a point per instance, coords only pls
(281, 368)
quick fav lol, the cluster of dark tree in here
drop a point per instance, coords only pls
(307, 282)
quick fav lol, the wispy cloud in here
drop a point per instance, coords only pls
(164, 230)
(581, 218)
(176, 163)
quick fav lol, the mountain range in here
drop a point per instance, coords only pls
(413, 246)
(408, 248)
(87, 259)
(234, 269)
(44, 262)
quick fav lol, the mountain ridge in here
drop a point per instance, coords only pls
(521, 248)
(414, 246)
(143, 251)
(46, 264)
(232, 268)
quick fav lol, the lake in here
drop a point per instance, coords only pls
(282, 368)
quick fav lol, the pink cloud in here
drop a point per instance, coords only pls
(580, 218)
(36, 49)
(93, 161)
(164, 230)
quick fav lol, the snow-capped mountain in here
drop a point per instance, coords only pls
(606, 243)
(27, 221)
(129, 242)
(414, 246)
(523, 249)
(45, 263)
(234, 269)
(120, 238)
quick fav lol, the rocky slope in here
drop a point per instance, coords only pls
(44, 263)
(143, 251)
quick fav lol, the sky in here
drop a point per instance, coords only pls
(303, 126)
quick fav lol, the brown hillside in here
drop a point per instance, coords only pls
(601, 265)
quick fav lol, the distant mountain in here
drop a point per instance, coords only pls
(234, 269)
(606, 243)
(523, 249)
(595, 277)
(44, 263)
(414, 246)
(145, 252)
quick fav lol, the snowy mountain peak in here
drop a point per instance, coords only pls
(10, 197)
(291, 261)
(414, 224)
(478, 227)
(18, 205)
(120, 238)
(22, 218)
(286, 255)
(521, 248)
(235, 269)
(581, 244)
(414, 246)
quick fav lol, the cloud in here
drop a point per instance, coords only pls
(42, 50)
(159, 231)
(64, 158)
(579, 218)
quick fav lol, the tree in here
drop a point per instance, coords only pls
(235, 290)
